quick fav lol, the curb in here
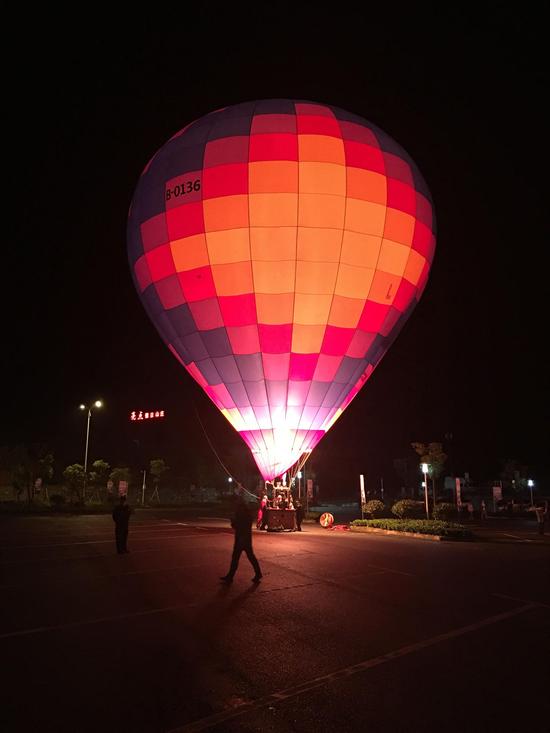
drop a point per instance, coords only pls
(412, 535)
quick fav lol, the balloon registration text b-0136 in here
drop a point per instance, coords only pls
(182, 188)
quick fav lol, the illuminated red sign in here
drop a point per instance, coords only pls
(141, 415)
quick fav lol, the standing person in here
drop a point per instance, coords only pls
(483, 509)
(471, 510)
(241, 522)
(260, 514)
(540, 512)
(299, 515)
(121, 517)
(265, 514)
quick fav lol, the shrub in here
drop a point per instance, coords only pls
(56, 500)
(445, 511)
(408, 508)
(421, 526)
(374, 508)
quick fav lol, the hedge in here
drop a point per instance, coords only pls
(422, 526)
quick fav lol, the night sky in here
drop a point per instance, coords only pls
(463, 94)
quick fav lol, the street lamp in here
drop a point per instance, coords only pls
(424, 467)
(97, 404)
(299, 474)
(530, 484)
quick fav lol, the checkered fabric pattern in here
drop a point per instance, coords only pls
(279, 247)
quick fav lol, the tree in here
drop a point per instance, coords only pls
(18, 479)
(207, 472)
(405, 468)
(119, 474)
(433, 455)
(44, 467)
(74, 479)
(157, 467)
(514, 475)
(99, 473)
(26, 465)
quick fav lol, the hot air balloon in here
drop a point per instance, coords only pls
(279, 246)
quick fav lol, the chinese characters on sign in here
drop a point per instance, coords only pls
(141, 415)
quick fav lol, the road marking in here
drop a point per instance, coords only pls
(76, 624)
(286, 587)
(77, 558)
(106, 576)
(390, 570)
(520, 600)
(131, 539)
(317, 682)
(134, 531)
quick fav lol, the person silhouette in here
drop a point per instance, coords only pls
(261, 511)
(483, 512)
(121, 517)
(299, 515)
(541, 513)
(265, 513)
(241, 521)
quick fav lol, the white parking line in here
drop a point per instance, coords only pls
(152, 538)
(520, 600)
(77, 558)
(75, 624)
(109, 576)
(391, 570)
(353, 669)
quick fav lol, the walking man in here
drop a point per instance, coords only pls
(121, 517)
(242, 524)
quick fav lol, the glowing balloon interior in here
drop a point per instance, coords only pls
(279, 247)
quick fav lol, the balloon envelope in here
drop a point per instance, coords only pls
(279, 247)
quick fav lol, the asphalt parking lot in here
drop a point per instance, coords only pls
(345, 632)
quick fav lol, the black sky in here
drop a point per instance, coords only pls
(463, 93)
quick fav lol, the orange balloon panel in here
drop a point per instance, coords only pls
(279, 247)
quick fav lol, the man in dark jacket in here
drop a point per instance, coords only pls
(121, 517)
(241, 522)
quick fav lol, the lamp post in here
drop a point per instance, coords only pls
(97, 403)
(299, 474)
(530, 484)
(424, 468)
